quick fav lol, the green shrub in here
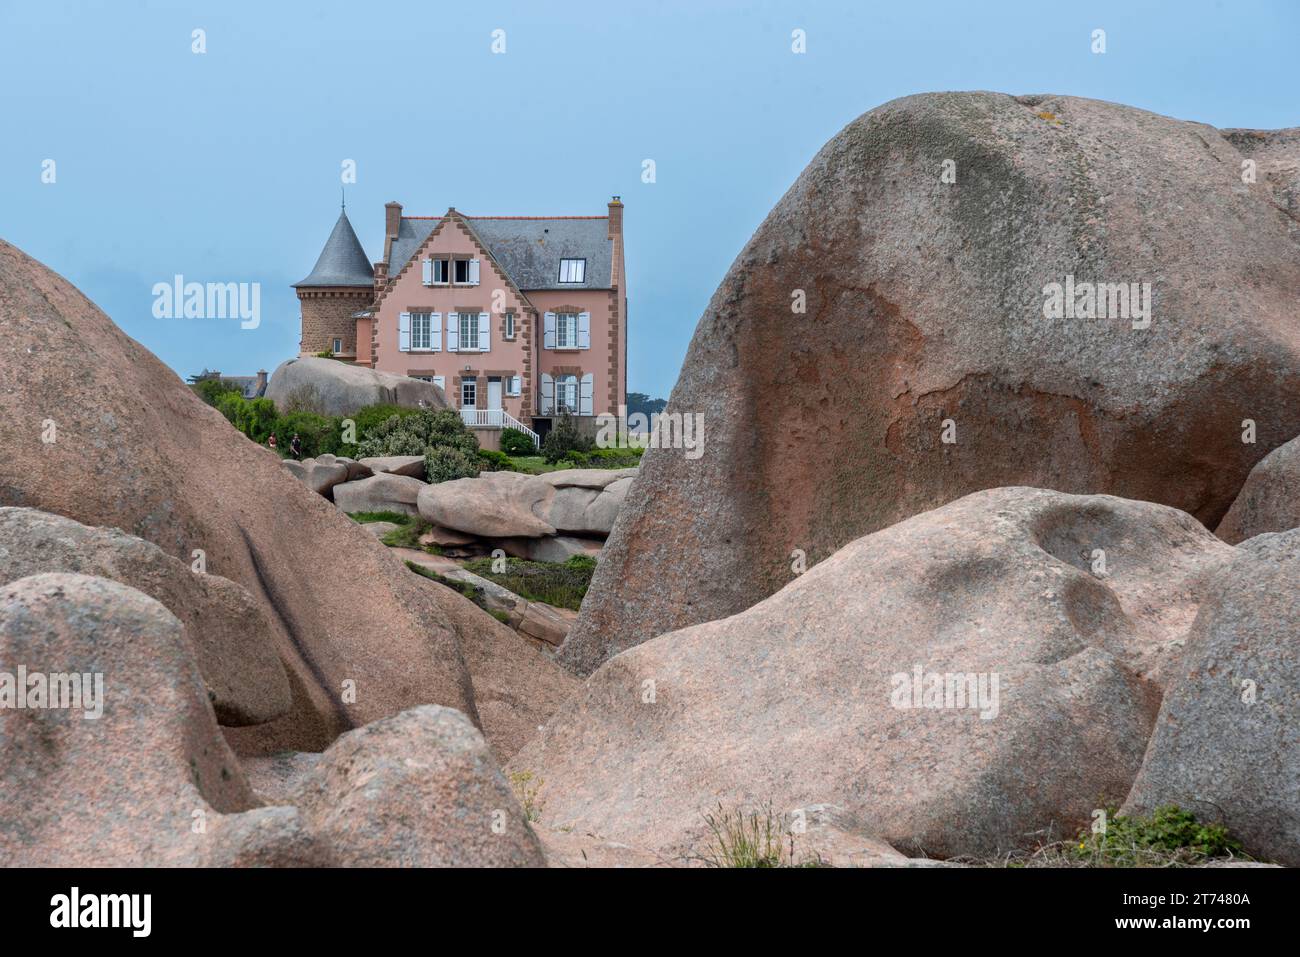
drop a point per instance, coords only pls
(606, 458)
(231, 405)
(417, 433)
(493, 461)
(370, 416)
(318, 434)
(210, 390)
(514, 442)
(445, 463)
(563, 439)
(1169, 836)
(583, 562)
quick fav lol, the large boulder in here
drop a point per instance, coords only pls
(233, 641)
(138, 773)
(419, 789)
(514, 505)
(412, 465)
(1076, 606)
(361, 636)
(322, 473)
(1227, 741)
(382, 492)
(1270, 499)
(494, 505)
(880, 310)
(331, 387)
(122, 788)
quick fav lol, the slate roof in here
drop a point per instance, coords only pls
(342, 262)
(528, 248)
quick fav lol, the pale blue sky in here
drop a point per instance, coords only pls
(225, 166)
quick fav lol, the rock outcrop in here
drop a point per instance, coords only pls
(137, 773)
(234, 643)
(1227, 741)
(412, 465)
(509, 505)
(382, 492)
(882, 345)
(331, 387)
(122, 788)
(1270, 499)
(362, 639)
(1050, 622)
(322, 473)
(419, 789)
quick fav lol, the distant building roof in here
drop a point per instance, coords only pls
(251, 386)
(342, 262)
(529, 248)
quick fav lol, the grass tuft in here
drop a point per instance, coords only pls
(560, 584)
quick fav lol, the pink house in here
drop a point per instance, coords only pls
(516, 318)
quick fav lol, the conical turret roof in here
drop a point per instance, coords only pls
(342, 262)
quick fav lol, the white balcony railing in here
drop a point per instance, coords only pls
(497, 419)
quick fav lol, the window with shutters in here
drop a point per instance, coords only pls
(420, 338)
(510, 325)
(440, 272)
(566, 330)
(573, 270)
(469, 393)
(566, 394)
(463, 272)
(468, 331)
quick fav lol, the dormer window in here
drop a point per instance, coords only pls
(465, 272)
(435, 272)
(573, 270)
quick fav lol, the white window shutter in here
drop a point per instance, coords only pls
(548, 331)
(404, 332)
(453, 332)
(435, 331)
(516, 385)
(586, 396)
(428, 272)
(441, 382)
(584, 330)
(484, 332)
(473, 272)
(548, 394)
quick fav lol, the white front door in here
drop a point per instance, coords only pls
(494, 394)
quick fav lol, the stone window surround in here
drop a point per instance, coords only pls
(566, 310)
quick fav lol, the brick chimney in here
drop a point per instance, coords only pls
(261, 381)
(615, 217)
(392, 220)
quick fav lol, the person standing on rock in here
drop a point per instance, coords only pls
(270, 442)
(295, 446)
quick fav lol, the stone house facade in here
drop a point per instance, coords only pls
(516, 318)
